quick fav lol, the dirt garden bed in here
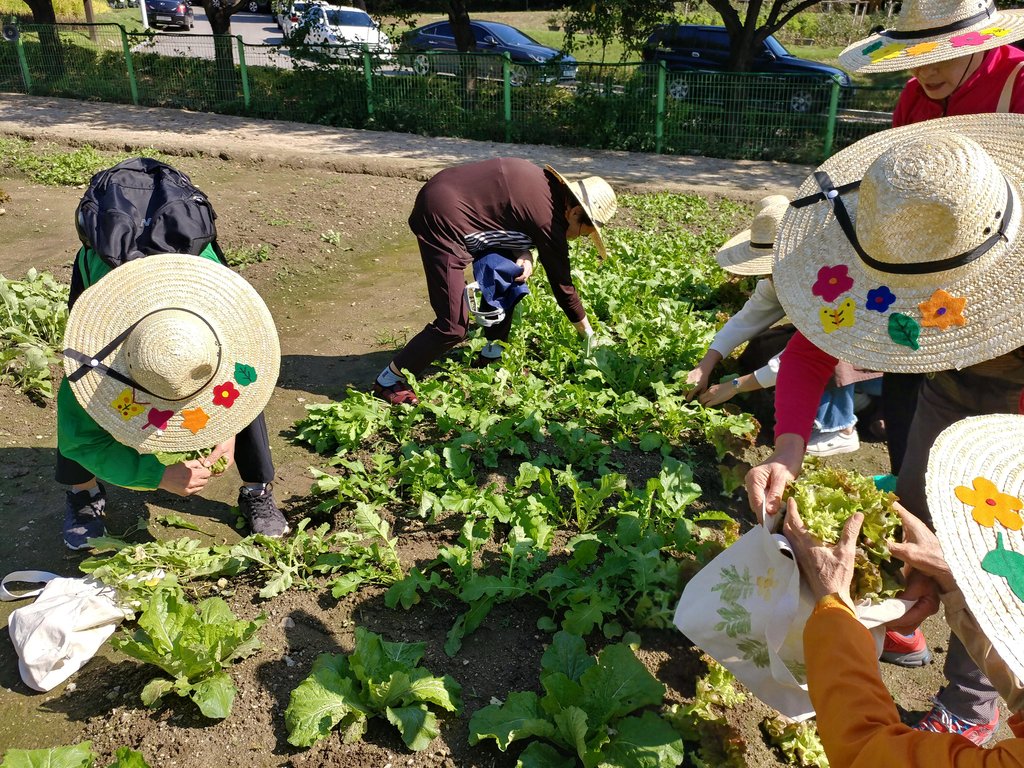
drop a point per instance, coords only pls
(343, 279)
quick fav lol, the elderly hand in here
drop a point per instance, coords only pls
(185, 478)
(766, 482)
(920, 550)
(526, 262)
(826, 569)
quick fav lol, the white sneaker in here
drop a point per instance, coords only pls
(832, 443)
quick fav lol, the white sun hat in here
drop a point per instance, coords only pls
(750, 252)
(930, 31)
(598, 200)
(172, 353)
(975, 488)
(903, 252)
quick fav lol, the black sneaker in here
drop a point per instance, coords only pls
(83, 517)
(262, 513)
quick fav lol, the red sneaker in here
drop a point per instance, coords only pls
(398, 394)
(906, 650)
(941, 720)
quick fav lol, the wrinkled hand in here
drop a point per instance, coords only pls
(766, 482)
(226, 449)
(826, 569)
(592, 342)
(717, 394)
(185, 478)
(527, 265)
(921, 552)
(924, 593)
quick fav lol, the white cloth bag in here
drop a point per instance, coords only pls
(62, 629)
(747, 609)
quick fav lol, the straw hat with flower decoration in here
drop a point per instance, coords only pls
(171, 353)
(903, 252)
(598, 200)
(750, 252)
(930, 31)
(975, 488)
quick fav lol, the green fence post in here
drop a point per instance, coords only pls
(506, 76)
(24, 65)
(830, 126)
(659, 115)
(243, 70)
(129, 65)
(368, 74)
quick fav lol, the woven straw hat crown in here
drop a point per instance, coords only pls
(916, 16)
(934, 197)
(766, 221)
(597, 198)
(172, 353)
(750, 251)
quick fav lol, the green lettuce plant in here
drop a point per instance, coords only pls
(378, 679)
(589, 715)
(194, 645)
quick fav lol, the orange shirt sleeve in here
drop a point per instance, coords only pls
(857, 720)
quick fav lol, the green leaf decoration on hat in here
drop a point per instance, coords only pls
(871, 48)
(244, 374)
(1006, 563)
(904, 330)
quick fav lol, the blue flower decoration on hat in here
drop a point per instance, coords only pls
(880, 299)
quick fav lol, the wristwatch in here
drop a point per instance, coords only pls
(736, 383)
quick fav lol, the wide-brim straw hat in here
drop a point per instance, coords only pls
(171, 353)
(930, 31)
(975, 488)
(598, 200)
(930, 277)
(750, 252)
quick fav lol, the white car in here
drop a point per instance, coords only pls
(351, 29)
(289, 15)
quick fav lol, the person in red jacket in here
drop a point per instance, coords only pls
(885, 260)
(961, 64)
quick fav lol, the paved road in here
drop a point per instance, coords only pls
(298, 145)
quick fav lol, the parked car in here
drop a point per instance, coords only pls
(697, 48)
(343, 31)
(288, 16)
(491, 37)
(169, 13)
(258, 6)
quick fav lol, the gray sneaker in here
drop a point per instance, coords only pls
(262, 513)
(83, 517)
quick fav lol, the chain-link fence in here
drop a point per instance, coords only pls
(633, 106)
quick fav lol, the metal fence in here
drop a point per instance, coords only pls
(632, 106)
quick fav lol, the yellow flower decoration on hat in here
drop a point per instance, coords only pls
(842, 316)
(194, 419)
(890, 51)
(125, 405)
(921, 48)
(990, 504)
(943, 310)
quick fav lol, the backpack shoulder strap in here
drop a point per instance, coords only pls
(1007, 93)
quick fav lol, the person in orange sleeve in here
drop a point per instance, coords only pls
(976, 556)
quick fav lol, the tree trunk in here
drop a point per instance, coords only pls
(218, 13)
(49, 41)
(458, 16)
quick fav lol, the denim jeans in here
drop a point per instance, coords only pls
(835, 411)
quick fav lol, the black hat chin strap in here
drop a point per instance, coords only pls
(834, 195)
(95, 362)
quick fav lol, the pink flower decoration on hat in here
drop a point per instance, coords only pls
(225, 394)
(943, 310)
(990, 504)
(970, 38)
(832, 282)
(880, 299)
(158, 419)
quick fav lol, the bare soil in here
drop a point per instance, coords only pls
(336, 305)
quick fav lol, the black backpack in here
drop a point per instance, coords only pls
(141, 207)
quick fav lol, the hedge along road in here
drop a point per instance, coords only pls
(376, 153)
